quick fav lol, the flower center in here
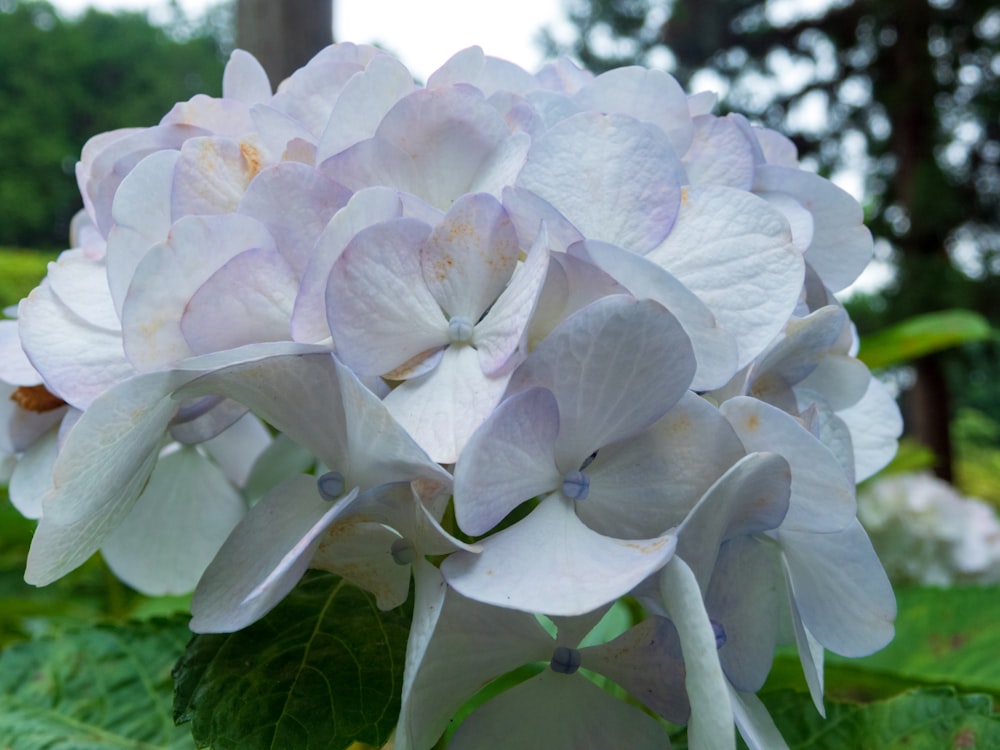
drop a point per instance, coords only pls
(403, 551)
(331, 485)
(460, 330)
(576, 485)
(565, 660)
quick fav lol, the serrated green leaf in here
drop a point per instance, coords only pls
(922, 719)
(96, 688)
(921, 335)
(322, 670)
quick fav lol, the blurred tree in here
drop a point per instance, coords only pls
(905, 91)
(283, 35)
(62, 81)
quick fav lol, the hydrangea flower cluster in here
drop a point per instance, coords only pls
(926, 532)
(537, 342)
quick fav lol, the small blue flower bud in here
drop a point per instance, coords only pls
(460, 330)
(565, 660)
(576, 485)
(331, 485)
(403, 551)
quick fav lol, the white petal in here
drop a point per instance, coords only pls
(719, 154)
(244, 79)
(711, 723)
(617, 179)
(875, 424)
(734, 251)
(756, 726)
(443, 408)
(841, 244)
(550, 562)
(507, 461)
(237, 448)
(212, 174)
(32, 475)
(264, 557)
(15, 367)
(295, 202)
(362, 554)
(175, 527)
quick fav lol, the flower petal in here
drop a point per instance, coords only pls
(550, 562)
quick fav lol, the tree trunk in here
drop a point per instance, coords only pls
(283, 34)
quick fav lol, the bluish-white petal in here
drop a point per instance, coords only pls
(714, 348)
(173, 531)
(822, 493)
(875, 424)
(365, 208)
(244, 79)
(840, 589)
(507, 461)
(711, 724)
(31, 478)
(615, 367)
(264, 557)
(756, 726)
(720, 154)
(550, 562)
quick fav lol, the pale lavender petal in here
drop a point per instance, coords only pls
(295, 202)
(184, 514)
(615, 367)
(79, 361)
(363, 102)
(456, 646)
(875, 424)
(751, 497)
(32, 475)
(365, 208)
(212, 174)
(469, 257)
(361, 552)
(488, 74)
(169, 276)
(264, 557)
(378, 307)
(720, 154)
(550, 562)
(615, 178)
(244, 79)
(141, 212)
(504, 328)
(507, 461)
(650, 482)
(15, 367)
(247, 300)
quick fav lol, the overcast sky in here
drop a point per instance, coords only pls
(423, 34)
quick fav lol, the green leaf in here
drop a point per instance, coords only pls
(943, 635)
(922, 334)
(922, 719)
(97, 688)
(322, 670)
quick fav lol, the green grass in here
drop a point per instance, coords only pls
(20, 272)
